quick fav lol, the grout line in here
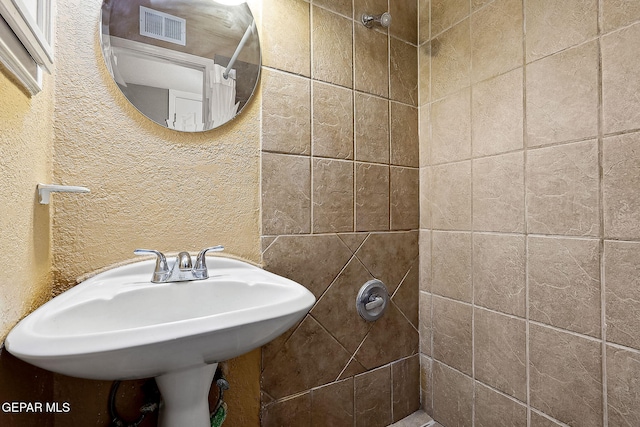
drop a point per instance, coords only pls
(635, 351)
(502, 393)
(332, 233)
(565, 331)
(391, 391)
(428, 98)
(603, 319)
(311, 121)
(354, 145)
(442, 231)
(262, 237)
(548, 417)
(525, 146)
(472, 229)
(355, 184)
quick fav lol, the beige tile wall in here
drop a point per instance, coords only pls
(340, 206)
(530, 212)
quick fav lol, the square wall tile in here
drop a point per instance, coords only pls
(310, 358)
(369, 6)
(445, 13)
(332, 121)
(286, 194)
(451, 128)
(498, 193)
(313, 261)
(500, 344)
(335, 308)
(424, 21)
(566, 376)
(332, 405)
(562, 96)
(496, 39)
(564, 283)
(373, 398)
(424, 73)
(494, 409)
(552, 26)
(405, 209)
(538, 420)
(404, 135)
(372, 197)
(343, 7)
(426, 383)
(404, 72)
(619, 13)
(452, 396)
(286, 113)
(424, 245)
(621, 180)
(371, 61)
(424, 134)
(392, 327)
(332, 47)
(499, 272)
(497, 114)
(405, 20)
(622, 286)
(285, 36)
(477, 4)
(402, 247)
(623, 386)
(407, 295)
(425, 194)
(621, 80)
(424, 326)
(452, 333)
(288, 413)
(451, 268)
(371, 128)
(451, 196)
(450, 60)
(405, 375)
(332, 196)
(562, 190)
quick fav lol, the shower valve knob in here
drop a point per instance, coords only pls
(372, 300)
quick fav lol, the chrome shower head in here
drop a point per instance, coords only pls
(384, 20)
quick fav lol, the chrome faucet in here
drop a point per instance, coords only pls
(183, 269)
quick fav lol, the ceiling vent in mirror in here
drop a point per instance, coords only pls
(162, 26)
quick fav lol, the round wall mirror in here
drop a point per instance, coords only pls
(188, 65)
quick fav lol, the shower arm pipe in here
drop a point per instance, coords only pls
(250, 29)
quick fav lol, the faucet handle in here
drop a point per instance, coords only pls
(201, 265)
(162, 268)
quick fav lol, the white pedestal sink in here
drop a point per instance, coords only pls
(118, 325)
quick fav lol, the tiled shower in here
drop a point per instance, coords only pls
(520, 119)
(340, 174)
(529, 213)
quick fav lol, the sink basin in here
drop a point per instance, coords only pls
(119, 325)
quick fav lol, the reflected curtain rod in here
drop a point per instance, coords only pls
(245, 37)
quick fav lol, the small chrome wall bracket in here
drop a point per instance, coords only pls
(372, 300)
